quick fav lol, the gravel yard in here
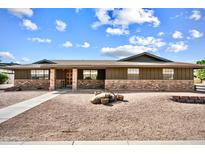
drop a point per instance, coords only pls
(145, 116)
(13, 97)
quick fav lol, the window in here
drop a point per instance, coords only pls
(168, 74)
(133, 73)
(39, 74)
(90, 74)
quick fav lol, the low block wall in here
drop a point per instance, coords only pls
(60, 83)
(150, 85)
(91, 84)
(28, 84)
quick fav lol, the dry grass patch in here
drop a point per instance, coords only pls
(13, 97)
(146, 116)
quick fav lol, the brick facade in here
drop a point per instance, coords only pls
(91, 84)
(150, 85)
(29, 84)
(52, 79)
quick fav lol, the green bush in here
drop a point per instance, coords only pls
(3, 78)
(200, 73)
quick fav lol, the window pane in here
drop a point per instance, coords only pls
(133, 73)
(39, 74)
(168, 74)
(90, 74)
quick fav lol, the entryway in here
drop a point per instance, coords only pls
(69, 78)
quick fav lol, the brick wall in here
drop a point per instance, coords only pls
(91, 84)
(29, 84)
(150, 85)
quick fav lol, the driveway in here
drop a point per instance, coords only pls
(144, 116)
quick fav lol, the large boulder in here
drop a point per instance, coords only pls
(102, 97)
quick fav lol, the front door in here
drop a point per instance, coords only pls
(69, 78)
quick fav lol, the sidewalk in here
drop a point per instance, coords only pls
(5, 86)
(123, 142)
(16, 109)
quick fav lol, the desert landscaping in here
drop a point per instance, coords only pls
(142, 116)
(13, 97)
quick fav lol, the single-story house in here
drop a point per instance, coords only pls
(141, 72)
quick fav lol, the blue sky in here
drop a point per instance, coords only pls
(28, 35)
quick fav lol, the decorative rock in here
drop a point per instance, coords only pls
(120, 97)
(189, 99)
(104, 101)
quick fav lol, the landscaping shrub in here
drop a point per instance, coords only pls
(3, 78)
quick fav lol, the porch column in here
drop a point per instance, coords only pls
(52, 79)
(75, 79)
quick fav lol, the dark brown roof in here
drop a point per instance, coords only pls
(136, 57)
(104, 64)
(126, 62)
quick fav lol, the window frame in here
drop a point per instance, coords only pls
(166, 72)
(133, 73)
(40, 74)
(91, 74)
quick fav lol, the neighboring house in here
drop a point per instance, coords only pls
(10, 73)
(142, 72)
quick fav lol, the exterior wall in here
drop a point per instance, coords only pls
(116, 73)
(183, 74)
(149, 73)
(28, 84)
(91, 84)
(150, 85)
(23, 74)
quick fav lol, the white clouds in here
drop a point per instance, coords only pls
(67, 44)
(85, 45)
(21, 12)
(178, 46)
(160, 34)
(125, 17)
(137, 45)
(28, 24)
(103, 17)
(25, 59)
(195, 33)
(39, 40)
(147, 41)
(177, 35)
(117, 31)
(125, 50)
(6, 55)
(77, 10)
(196, 15)
(60, 25)
(138, 16)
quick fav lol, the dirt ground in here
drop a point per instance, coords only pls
(13, 97)
(145, 116)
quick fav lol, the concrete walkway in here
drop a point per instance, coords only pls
(16, 109)
(5, 86)
(123, 142)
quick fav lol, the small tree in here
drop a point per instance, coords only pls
(200, 73)
(3, 78)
